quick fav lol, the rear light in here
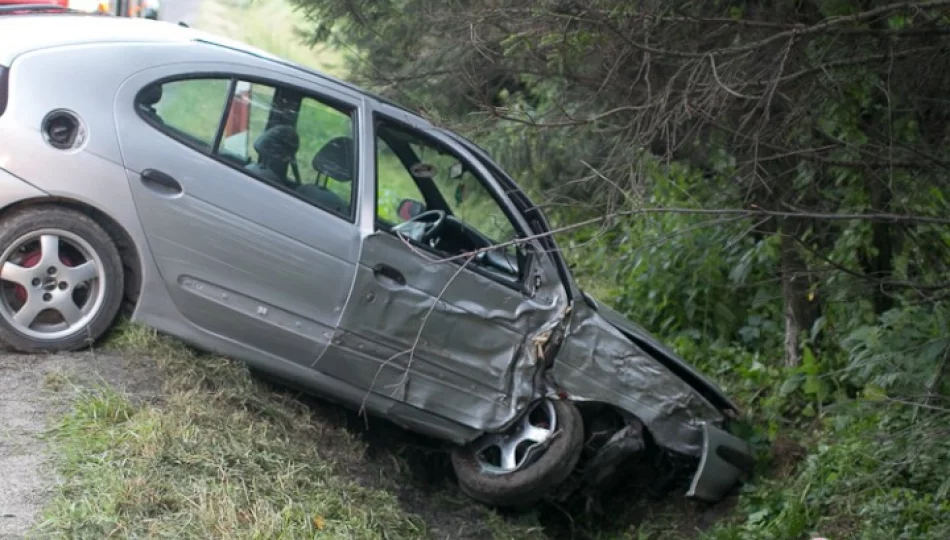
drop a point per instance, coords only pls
(4, 80)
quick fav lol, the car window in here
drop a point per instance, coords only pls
(394, 185)
(274, 133)
(416, 174)
(292, 140)
(247, 118)
(190, 109)
(466, 196)
(469, 199)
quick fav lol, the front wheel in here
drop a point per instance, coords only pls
(526, 462)
(61, 280)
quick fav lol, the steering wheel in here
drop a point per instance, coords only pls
(431, 222)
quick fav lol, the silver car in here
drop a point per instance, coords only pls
(330, 239)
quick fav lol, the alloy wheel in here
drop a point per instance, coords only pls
(503, 453)
(52, 284)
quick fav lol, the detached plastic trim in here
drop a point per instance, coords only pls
(725, 460)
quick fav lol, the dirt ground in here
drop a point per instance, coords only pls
(33, 390)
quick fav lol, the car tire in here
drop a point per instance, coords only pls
(534, 481)
(51, 248)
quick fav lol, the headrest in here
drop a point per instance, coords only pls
(151, 95)
(279, 142)
(335, 159)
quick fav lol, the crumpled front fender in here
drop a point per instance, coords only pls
(597, 362)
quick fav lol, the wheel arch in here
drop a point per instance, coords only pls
(593, 411)
(128, 252)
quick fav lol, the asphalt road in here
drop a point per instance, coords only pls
(180, 10)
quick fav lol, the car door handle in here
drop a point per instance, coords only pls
(390, 273)
(160, 182)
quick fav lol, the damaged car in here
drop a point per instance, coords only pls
(332, 240)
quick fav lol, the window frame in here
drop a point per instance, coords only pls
(474, 167)
(350, 109)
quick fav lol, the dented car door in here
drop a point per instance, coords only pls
(445, 325)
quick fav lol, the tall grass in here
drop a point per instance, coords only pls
(222, 455)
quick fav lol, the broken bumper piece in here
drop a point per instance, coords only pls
(725, 459)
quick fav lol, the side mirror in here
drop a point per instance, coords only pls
(409, 209)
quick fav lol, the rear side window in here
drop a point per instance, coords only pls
(294, 140)
(189, 109)
(3, 89)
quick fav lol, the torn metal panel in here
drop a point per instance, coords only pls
(473, 360)
(599, 363)
(664, 355)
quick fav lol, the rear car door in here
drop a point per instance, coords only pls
(456, 337)
(253, 244)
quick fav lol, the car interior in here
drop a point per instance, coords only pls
(277, 151)
(433, 223)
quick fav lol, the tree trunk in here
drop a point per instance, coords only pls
(792, 331)
(800, 312)
(879, 265)
(884, 265)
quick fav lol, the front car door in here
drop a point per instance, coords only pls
(255, 243)
(428, 325)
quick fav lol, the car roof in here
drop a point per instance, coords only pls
(45, 30)
(25, 33)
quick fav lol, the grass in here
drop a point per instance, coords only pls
(223, 455)
(56, 381)
(220, 458)
(270, 25)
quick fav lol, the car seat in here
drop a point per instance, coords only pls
(276, 150)
(334, 160)
(147, 101)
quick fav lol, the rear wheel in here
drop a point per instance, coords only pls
(526, 462)
(61, 280)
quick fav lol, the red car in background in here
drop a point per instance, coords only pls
(148, 9)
